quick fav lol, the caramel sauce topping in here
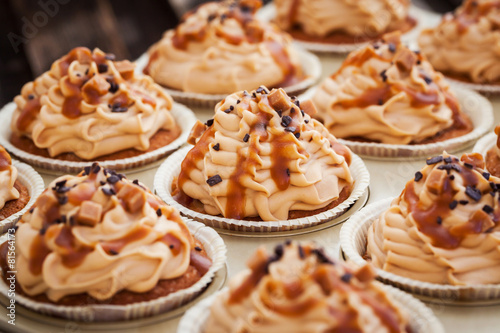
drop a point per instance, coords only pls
(115, 246)
(38, 252)
(74, 253)
(28, 113)
(5, 159)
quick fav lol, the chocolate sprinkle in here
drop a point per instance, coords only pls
(452, 177)
(384, 75)
(102, 68)
(297, 135)
(448, 159)
(216, 147)
(346, 277)
(62, 200)
(288, 242)
(278, 251)
(108, 191)
(392, 47)
(439, 220)
(209, 122)
(288, 172)
(42, 231)
(322, 258)
(197, 248)
(302, 254)
(285, 121)
(486, 175)
(31, 96)
(453, 204)
(418, 176)
(473, 193)
(468, 165)
(159, 212)
(246, 137)
(61, 183)
(488, 209)
(113, 86)
(463, 202)
(290, 129)
(113, 179)
(113, 252)
(214, 180)
(171, 247)
(306, 121)
(434, 160)
(427, 80)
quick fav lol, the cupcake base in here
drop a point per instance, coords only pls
(340, 37)
(160, 139)
(13, 206)
(183, 116)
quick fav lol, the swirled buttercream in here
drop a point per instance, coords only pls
(300, 289)
(220, 48)
(467, 42)
(99, 233)
(8, 176)
(443, 228)
(389, 94)
(90, 105)
(356, 18)
(263, 156)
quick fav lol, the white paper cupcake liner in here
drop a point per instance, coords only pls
(171, 168)
(310, 65)
(34, 183)
(492, 89)
(353, 236)
(422, 319)
(424, 19)
(478, 108)
(183, 116)
(216, 250)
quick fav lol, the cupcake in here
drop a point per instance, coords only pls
(465, 45)
(220, 48)
(263, 158)
(492, 157)
(89, 107)
(99, 239)
(14, 196)
(386, 93)
(443, 228)
(299, 288)
(342, 21)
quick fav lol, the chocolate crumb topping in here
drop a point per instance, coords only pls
(159, 212)
(473, 193)
(197, 248)
(418, 176)
(488, 209)
(434, 160)
(246, 137)
(285, 121)
(216, 147)
(453, 204)
(214, 180)
(463, 202)
(108, 191)
(209, 122)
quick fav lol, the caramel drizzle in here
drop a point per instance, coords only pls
(5, 159)
(78, 91)
(425, 218)
(244, 15)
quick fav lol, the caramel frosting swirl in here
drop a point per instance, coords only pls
(467, 42)
(220, 48)
(443, 228)
(263, 156)
(90, 105)
(300, 289)
(99, 233)
(357, 18)
(8, 176)
(389, 94)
